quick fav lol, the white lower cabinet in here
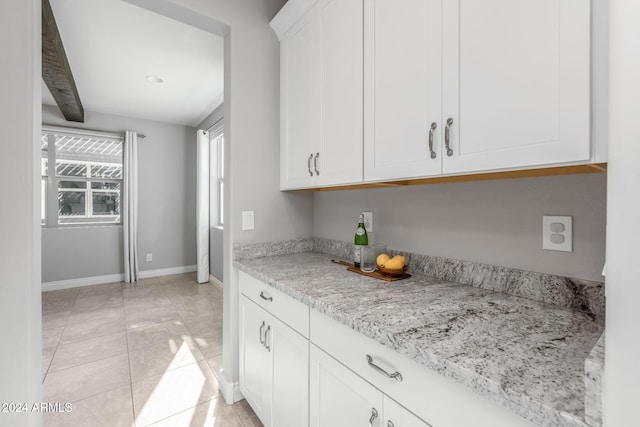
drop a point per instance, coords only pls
(440, 401)
(255, 369)
(341, 398)
(274, 367)
(300, 368)
(398, 416)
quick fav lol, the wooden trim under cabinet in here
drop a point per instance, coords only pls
(527, 173)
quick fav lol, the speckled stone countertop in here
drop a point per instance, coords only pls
(526, 355)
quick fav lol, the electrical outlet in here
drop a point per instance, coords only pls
(248, 221)
(557, 233)
(149, 257)
(368, 221)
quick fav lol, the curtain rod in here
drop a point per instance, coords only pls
(88, 131)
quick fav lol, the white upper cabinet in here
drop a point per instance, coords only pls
(403, 88)
(322, 92)
(505, 84)
(420, 88)
(300, 102)
(516, 83)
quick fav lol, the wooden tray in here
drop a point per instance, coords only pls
(375, 274)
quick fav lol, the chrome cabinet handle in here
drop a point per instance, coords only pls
(446, 137)
(396, 375)
(266, 298)
(315, 163)
(434, 125)
(261, 328)
(267, 346)
(374, 415)
(309, 164)
(390, 424)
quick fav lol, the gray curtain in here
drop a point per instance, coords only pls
(202, 207)
(130, 207)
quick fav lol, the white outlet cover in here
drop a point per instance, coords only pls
(248, 221)
(557, 233)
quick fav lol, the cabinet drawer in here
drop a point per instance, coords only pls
(293, 313)
(439, 400)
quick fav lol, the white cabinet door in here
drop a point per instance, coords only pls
(340, 153)
(321, 84)
(398, 416)
(290, 390)
(255, 359)
(338, 397)
(516, 83)
(300, 102)
(274, 368)
(403, 88)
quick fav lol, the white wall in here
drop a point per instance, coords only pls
(166, 162)
(493, 222)
(622, 343)
(20, 304)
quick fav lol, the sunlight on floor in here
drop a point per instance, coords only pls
(137, 355)
(178, 388)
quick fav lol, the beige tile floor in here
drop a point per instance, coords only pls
(135, 355)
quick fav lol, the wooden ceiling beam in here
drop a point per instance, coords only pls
(56, 71)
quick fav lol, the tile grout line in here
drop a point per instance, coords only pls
(55, 348)
(179, 304)
(126, 335)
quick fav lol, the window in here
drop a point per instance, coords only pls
(216, 150)
(85, 184)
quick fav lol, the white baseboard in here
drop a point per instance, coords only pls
(112, 278)
(83, 281)
(218, 284)
(167, 271)
(230, 391)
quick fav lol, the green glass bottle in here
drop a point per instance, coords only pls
(361, 239)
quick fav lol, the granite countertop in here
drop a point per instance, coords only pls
(526, 355)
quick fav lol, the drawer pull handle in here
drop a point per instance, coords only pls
(374, 415)
(261, 328)
(267, 346)
(264, 297)
(396, 375)
(390, 424)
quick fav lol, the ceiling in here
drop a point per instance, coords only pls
(112, 46)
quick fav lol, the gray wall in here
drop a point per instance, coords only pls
(622, 340)
(79, 252)
(252, 129)
(166, 228)
(216, 253)
(20, 303)
(494, 222)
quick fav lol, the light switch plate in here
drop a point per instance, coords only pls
(557, 233)
(247, 221)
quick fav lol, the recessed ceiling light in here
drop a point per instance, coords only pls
(154, 79)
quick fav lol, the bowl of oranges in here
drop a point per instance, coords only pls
(395, 266)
